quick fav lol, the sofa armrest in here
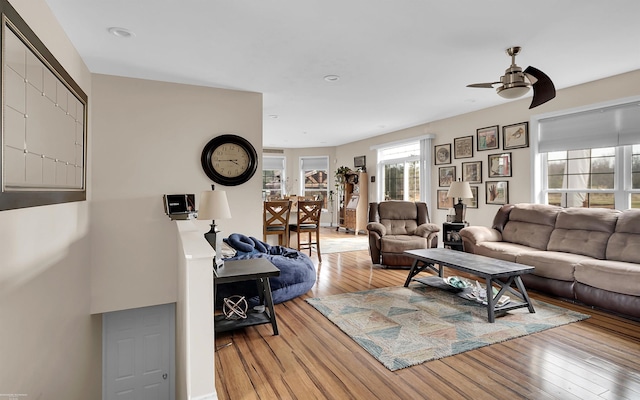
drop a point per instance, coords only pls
(377, 227)
(425, 230)
(479, 234)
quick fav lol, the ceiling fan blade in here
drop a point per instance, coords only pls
(543, 88)
(487, 85)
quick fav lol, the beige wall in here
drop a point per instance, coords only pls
(148, 139)
(49, 343)
(617, 87)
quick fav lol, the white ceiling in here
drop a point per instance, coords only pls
(401, 62)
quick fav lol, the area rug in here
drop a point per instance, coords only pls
(402, 327)
(345, 243)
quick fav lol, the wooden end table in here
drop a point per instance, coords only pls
(258, 269)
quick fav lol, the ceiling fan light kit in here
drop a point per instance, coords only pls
(516, 83)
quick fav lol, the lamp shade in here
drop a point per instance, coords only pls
(214, 205)
(460, 189)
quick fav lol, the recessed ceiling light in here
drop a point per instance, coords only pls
(332, 78)
(121, 32)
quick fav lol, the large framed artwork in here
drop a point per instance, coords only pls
(44, 119)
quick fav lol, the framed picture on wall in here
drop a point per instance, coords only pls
(487, 138)
(446, 175)
(442, 154)
(515, 136)
(499, 165)
(472, 171)
(473, 202)
(444, 202)
(463, 147)
(497, 192)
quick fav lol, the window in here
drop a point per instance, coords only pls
(272, 177)
(581, 178)
(399, 171)
(590, 158)
(315, 177)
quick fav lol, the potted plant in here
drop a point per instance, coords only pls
(342, 172)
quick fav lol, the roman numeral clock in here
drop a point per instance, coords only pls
(229, 160)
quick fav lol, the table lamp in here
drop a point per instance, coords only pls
(460, 190)
(214, 205)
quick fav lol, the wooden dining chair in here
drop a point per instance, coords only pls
(308, 222)
(275, 216)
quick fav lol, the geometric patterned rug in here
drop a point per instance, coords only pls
(402, 327)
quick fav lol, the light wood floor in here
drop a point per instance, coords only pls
(598, 358)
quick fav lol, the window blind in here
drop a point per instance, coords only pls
(602, 127)
(310, 163)
(271, 163)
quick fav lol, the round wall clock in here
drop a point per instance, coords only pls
(229, 160)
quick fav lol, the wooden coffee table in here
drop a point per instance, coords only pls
(499, 272)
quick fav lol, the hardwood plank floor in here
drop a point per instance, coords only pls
(598, 358)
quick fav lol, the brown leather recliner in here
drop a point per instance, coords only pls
(396, 226)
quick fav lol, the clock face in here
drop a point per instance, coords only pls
(229, 160)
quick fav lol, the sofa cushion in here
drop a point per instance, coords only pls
(399, 217)
(624, 243)
(551, 264)
(501, 250)
(530, 225)
(614, 276)
(583, 231)
(400, 243)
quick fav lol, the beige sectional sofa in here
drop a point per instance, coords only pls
(590, 255)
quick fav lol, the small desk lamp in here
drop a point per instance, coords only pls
(460, 190)
(214, 205)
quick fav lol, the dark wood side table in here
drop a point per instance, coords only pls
(258, 269)
(449, 232)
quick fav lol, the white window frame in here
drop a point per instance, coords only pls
(317, 163)
(425, 145)
(268, 162)
(622, 170)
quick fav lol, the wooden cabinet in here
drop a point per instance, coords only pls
(353, 203)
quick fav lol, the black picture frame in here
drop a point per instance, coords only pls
(444, 202)
(500, 165)
(446, 175)
(360, 162)
(488, 138)
(473, 202)
(463, 147)
(497, 192)
(442, 154)
(472, 171)
(515, 136)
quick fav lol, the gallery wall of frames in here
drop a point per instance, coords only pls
(491, 176)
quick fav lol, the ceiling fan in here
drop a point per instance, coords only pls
(515, 83)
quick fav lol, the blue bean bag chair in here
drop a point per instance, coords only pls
(297, 272)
